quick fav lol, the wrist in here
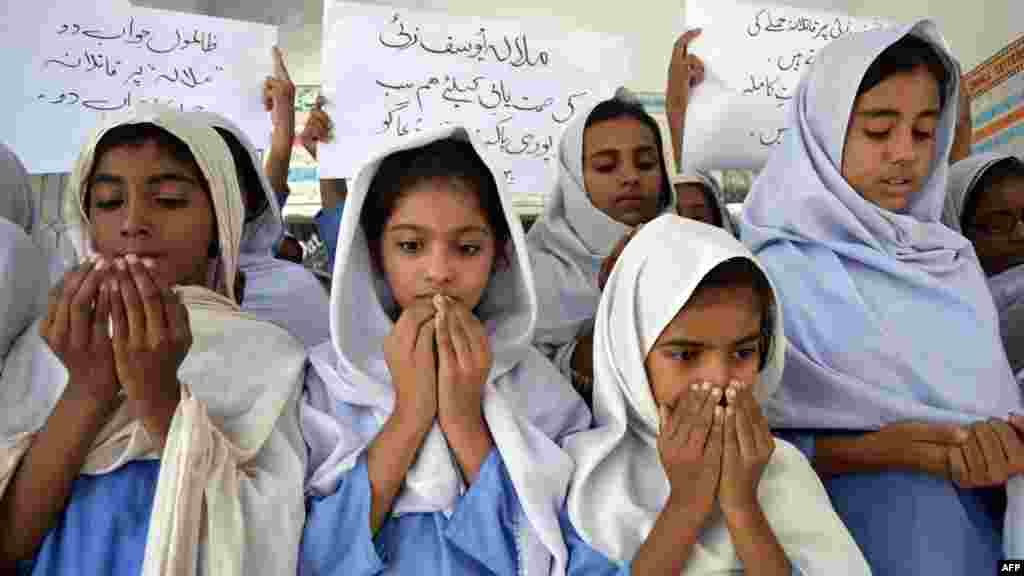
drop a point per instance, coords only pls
(462, 419)
(157, 410)
(744, 514)
(412, 421)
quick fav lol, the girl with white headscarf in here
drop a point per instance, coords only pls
(985, 202)
(401, 480)
(663, 360)
(276, 290)
(148, 425)
(895, 371)
(699, 197)
(611, 178)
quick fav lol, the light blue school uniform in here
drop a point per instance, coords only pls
(915, 523)
(478, 538)
(103, 530)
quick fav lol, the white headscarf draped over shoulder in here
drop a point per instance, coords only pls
(712, 193)
(1008, 286)
(872, 296)
(569, 242)
(527, 404)
(620, 486)
(229, 496)
(208, 149)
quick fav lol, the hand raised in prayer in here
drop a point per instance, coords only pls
(279, 94)
(76, 330)
(409, 353)
(463, 363)
(749, 445)
(151, 338)
(608, 264)
(991, 455)
(690, 444)
(317, 128)
(685, 71)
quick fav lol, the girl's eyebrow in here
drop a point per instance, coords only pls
(682, 342)
(457, 232)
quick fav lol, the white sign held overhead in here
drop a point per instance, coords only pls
(79, 60)
(390, 73)
(754, 55)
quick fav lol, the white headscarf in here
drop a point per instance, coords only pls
(712, 193)
(23, 285)
(1007, 286)
(276, 290)
(527, 404)
(568, 244)
(17, 201)
(620, 486)
(229, 495)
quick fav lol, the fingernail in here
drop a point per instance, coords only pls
(119, 262)
(695, 387)
(101, 264)
(716, 392)
(706, 386)
(131, 258)
(731, 393)
(148, 263)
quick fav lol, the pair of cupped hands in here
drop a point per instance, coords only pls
(439, 356)
(116, 327)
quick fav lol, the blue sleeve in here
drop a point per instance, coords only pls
(584, 560)
(802, 439)
(337, 538)
(486, 518)
(328, 222)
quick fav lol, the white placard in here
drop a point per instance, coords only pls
(754, 55)
(78, 60)
(389, 73)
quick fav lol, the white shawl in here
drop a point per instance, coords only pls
(229, 494)
(22, 285)
(567, 245)
(17, 201)
(277, 291)
(620, 486)
(527, 404)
